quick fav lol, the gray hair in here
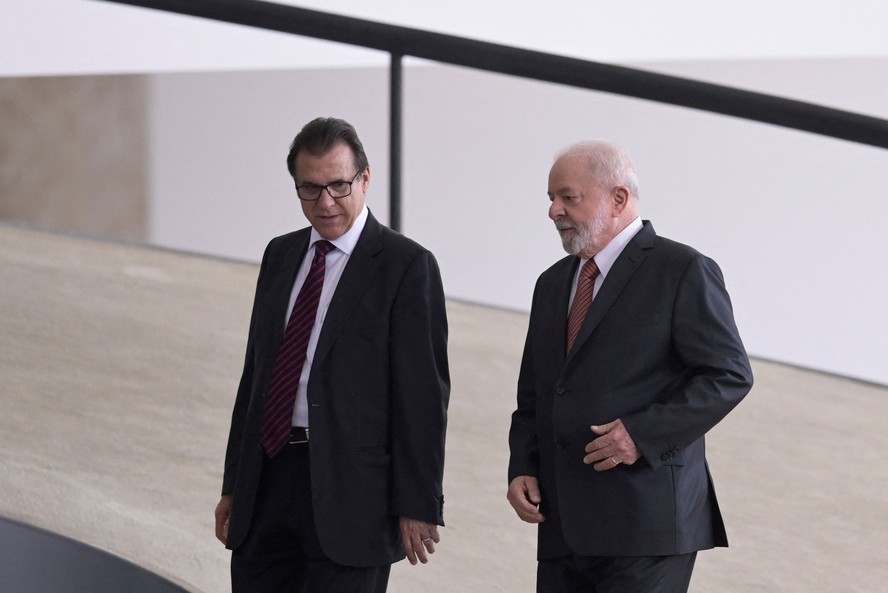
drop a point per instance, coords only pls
(609, 165)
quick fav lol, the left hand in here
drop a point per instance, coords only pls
(612, 447)
(419, 539)
(223, 516)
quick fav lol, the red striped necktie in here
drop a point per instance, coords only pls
(582, 301)
(278, 415)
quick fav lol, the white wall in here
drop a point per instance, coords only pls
(790, 216)
(46, 37)
(62, 37)
(219, 144)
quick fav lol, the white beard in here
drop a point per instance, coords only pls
(583, 237)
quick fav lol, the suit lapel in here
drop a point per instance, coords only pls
(282, 287)
(616, 280)
(561, 301)
(359, 271)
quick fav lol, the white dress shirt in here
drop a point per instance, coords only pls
(605, 258)
(335, 262)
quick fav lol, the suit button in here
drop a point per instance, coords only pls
(664, 457)
(560, 390)
(559, 446)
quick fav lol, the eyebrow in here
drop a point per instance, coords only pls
(340, 180)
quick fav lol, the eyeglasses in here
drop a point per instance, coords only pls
(309, 192)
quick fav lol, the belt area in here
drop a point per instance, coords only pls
(298, 436)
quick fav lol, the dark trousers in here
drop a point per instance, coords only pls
(281, 553)
(643, 574)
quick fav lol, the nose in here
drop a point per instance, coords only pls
(325, 200)
(556, 209)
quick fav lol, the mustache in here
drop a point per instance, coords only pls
(563, 225)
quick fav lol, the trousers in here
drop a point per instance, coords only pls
(281, 553)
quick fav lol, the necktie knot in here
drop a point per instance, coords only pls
(322, 248)
(590, 269)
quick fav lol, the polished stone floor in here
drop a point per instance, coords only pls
(118, 366)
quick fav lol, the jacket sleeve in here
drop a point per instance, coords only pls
(523, 439)
(420, 389)
(717, 372)
(244, 393)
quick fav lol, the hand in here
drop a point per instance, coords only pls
(223, 514)
(418, 538)
(612, 447)
(524, 496)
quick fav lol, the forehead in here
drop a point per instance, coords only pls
(568, 174)
(337, 163)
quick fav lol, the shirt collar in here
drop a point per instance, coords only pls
(346, 243)
(605, 258)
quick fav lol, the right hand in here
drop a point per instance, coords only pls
(524, 496)
(223, 515)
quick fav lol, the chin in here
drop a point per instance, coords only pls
(568, 239)
(329, 231)
(569, 246)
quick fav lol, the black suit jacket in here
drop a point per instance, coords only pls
(377, 394)
(660, 350)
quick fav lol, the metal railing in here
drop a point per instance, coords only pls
(459, 51)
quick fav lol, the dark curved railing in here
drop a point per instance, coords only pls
(33, 560)
(402, 41)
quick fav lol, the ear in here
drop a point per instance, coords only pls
(620, 196)
(365, 179)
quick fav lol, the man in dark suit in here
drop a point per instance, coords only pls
(335, 458)
(632, 355)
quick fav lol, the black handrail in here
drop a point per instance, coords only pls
(492, 57)
(396, 92)
(536, 65)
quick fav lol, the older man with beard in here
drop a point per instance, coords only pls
(632, 355)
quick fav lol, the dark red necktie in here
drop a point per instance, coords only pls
(582, 301)
(278, 415)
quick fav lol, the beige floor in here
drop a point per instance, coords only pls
(117, 373)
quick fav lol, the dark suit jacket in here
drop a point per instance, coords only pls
(377, 393)
(660, 350)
